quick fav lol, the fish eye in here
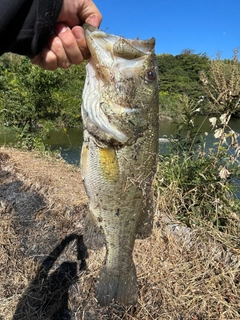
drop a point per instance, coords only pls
(150, 75)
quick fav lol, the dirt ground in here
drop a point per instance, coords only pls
(44, 274)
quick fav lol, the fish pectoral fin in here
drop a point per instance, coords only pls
(108, 164)
(84, 160)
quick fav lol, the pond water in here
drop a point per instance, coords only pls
(69, 143)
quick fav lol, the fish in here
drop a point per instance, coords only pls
(120, 106)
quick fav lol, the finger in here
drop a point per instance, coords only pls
(89, 13)
(69, 43)
(46, 59)
(94, 20)
(79, 35)
(56, 46)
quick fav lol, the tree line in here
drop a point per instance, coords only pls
(32, 99)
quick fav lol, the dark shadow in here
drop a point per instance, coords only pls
(47, 295)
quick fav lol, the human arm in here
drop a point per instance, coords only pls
(28, 27)
(25, 25)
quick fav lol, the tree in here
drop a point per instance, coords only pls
(180, 74)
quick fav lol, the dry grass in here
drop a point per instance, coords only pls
(182, 274)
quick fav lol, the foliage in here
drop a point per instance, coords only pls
(70, 96)
(196, 184)
(33, 101)
(179, 75)
(185, 110)
(169, 103)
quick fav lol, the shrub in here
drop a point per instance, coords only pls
(195, 184)
(34, 101)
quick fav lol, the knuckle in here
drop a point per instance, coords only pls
(69, 44)
(67, 40)
(56, 45)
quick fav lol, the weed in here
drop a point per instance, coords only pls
(197, 185)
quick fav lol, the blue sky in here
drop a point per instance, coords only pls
(205, 26)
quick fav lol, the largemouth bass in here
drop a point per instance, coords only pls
(119, 154)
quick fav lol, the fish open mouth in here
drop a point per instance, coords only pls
(116, 67)
(110, 51)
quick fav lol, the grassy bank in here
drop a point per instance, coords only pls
(187, 269)
(183, 273)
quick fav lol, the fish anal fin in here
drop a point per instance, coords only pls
(93, 234)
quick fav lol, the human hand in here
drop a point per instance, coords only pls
(68, 46)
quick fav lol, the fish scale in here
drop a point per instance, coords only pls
(119, 153)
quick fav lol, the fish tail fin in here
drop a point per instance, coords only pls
(113, 285)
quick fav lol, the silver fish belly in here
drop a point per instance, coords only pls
(119, 153)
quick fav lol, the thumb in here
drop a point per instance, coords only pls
(90, 14)
(94, 20)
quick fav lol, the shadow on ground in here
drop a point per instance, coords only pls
(47, 295)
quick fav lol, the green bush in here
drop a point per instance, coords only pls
(34, 101)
